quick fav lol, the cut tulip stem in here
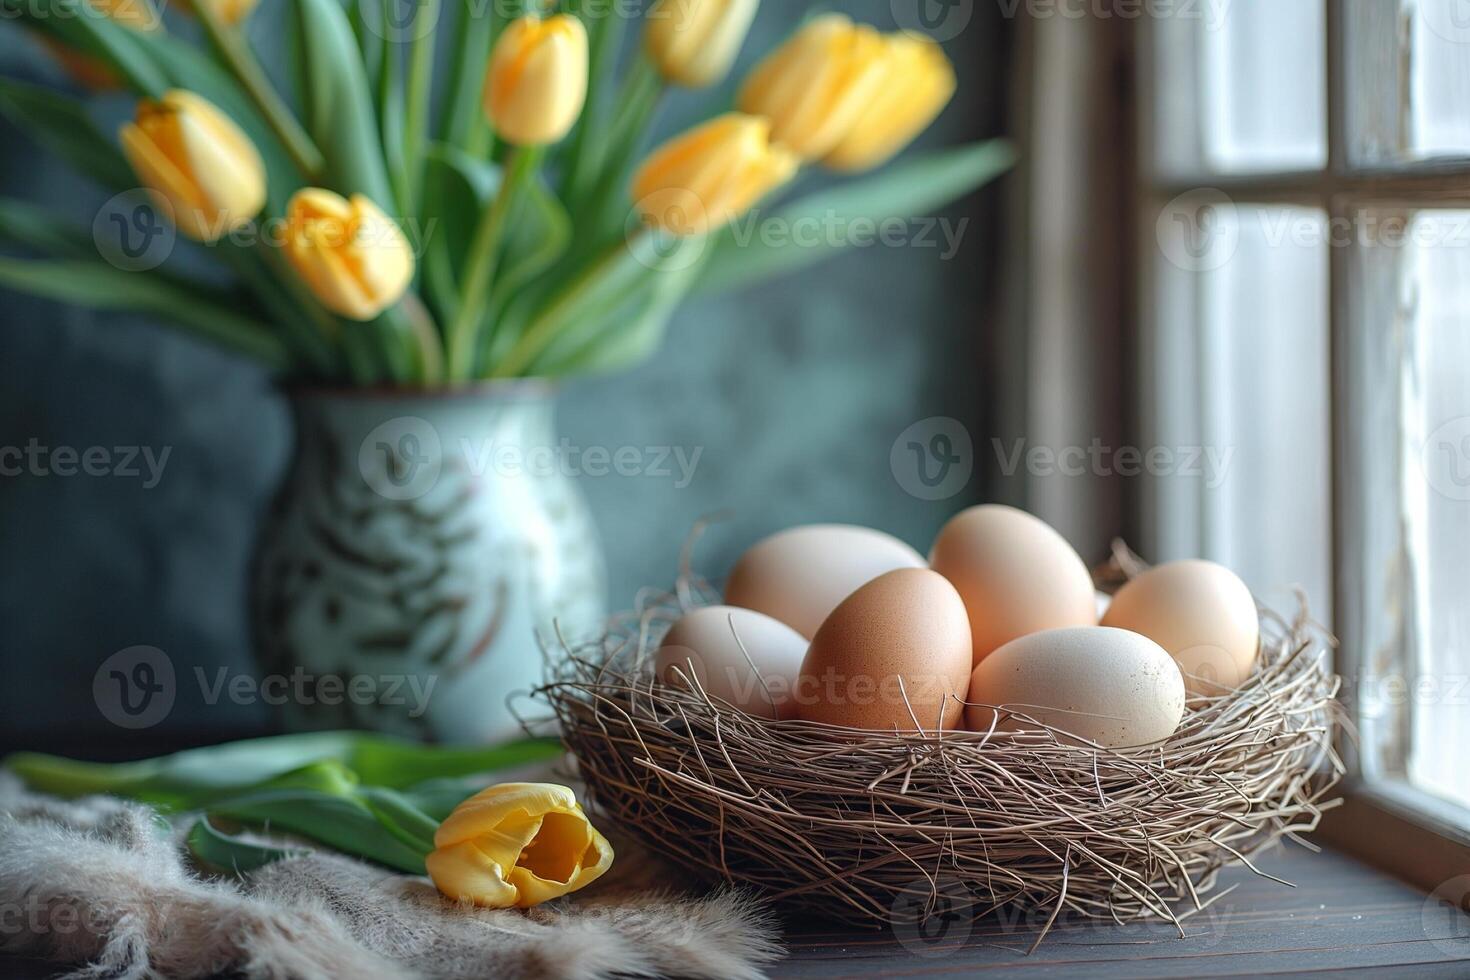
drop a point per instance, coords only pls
(544, 329)
(416, 110)
(235, 52)
(480, 266)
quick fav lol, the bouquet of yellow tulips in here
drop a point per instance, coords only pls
(391, 220)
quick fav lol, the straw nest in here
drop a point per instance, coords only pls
(870, 828)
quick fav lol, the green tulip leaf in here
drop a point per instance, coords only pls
(34, 227)
(62, 125)
(634, 333)
(457, 189)
(338, 104)
(100, 286)
(79, 26)
(537, 236)
(344, 823)
(197, 777)
(462, 114)
(742, 255)
(229, 855)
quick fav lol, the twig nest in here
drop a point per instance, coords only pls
(844, 823)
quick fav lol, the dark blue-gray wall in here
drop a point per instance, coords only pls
(794, 393)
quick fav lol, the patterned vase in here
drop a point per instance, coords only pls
(421, 556)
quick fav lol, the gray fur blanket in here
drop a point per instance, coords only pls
(106, 887)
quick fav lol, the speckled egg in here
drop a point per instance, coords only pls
(1108, 686)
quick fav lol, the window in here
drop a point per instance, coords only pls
(1305, 206)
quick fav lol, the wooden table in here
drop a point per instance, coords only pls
(1342, 919)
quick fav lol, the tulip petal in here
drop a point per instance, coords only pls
(465, 873)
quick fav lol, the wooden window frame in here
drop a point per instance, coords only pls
(1394, 827)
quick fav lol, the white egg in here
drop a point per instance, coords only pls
(1108, 686)
(801, 574)
(745, 658)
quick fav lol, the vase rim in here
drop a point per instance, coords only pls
(497, 389)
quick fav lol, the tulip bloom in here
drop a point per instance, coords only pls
(353, 257)
(536, 83)
(711, 175)
(517, 845)
(816, 86)
(204, 171)
(920, 82)
(694, 42)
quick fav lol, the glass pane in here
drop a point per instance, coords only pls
(1410, 531)
(1242, 362)
(1437, 499)
(1264, 86)
(1408, 80)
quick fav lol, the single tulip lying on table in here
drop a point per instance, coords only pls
(412, 221)
(403, 805)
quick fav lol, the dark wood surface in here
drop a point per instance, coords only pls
(1341, 919)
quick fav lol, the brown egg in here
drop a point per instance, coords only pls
(1202, 613)
(1015, 573)
(895, 650)
(798, 576)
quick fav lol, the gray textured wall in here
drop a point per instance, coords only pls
(794, 393)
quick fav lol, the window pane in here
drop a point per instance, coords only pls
(1265, 87)
(1251, 310)
(1410, 364)
(1408, 80)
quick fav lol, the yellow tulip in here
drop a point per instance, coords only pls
(197, 162)
(517, 845)
(536, 83)
(694, 42)
(920, 83)
(352, 256)
(229, 11)
(89, 72)
(816, 86)
(711, 175)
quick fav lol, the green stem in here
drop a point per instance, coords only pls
(642, 92)
(241, 61)
(590, 139)
(280, 272)
(544, 329)
(311, 339)
(420, 81)
(481, 262)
